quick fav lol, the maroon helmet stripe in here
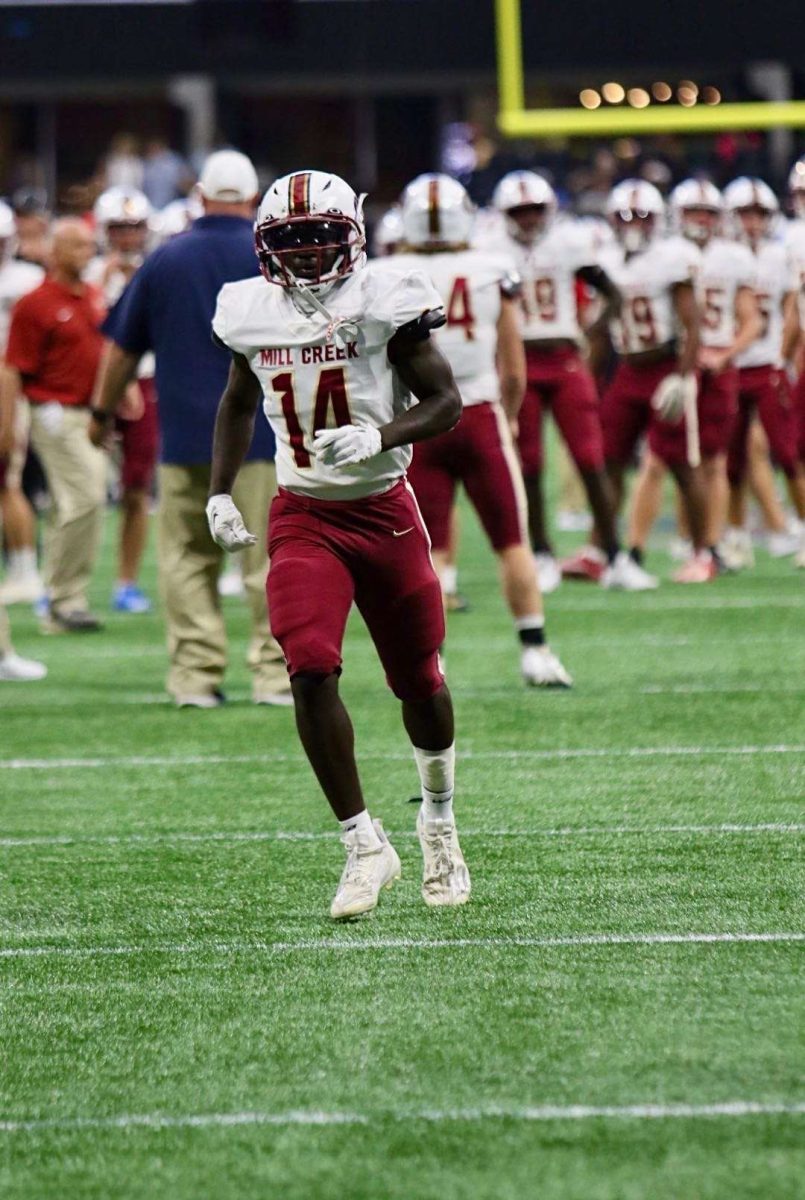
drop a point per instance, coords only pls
(299, 194)
(434, 223)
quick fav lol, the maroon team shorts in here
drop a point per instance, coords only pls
(717, 406)
(325, 554)
(559, 379)
(139, 443)
(626, 414)
(479, 454)
(800, 406)
(767, 392)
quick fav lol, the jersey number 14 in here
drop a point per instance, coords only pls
(330, 392)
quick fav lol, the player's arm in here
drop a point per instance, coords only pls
(510, 359)
(687, 313)
(792, 331)
(10, 383)
(597, 278)
(117, 371)
(748, 321)
(234, 429)
(426, 373)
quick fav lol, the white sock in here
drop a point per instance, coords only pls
(437, 773)
(22, 562)
(361, 822)
(450, 580)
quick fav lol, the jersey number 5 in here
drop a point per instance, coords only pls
(331, 390)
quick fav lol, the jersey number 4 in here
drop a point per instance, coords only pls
(331, 392)
(459, 309)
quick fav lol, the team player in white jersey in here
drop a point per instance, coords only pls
(795, 241)
(122, 221)
(338, 350)
(730, 322)
(656, 336)
(552, 256)
(481, 341)
(764, 388)
(16, 279)
(22, 583)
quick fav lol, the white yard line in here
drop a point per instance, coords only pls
(482, 1112)
(185, 760)
(704, 689)
(401, 943)
(279, 835)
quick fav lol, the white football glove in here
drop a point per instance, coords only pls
(347, 445)
(673, 394)
(226, 524)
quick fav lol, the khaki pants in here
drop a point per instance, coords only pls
(5, 633)
(189, 565)
(76, 475)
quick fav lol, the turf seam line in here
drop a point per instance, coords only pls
(179, 760)
(542, 1112)
(401, 943)
(293, 835)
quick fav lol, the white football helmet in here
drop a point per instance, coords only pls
(796, 187)
(524, 190)
(436, 211)
(636, 210)
(696, 208)
(176, 217)
(121, 206)
(753, 207)
(388, 232)
(310, 228)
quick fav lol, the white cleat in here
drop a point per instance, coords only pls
(230, 582)
(540, 667)
(445, 878)
(548, 574)
(369, 869)
(22, 589)
(781, 545)
(736, 549)
(625, 575)
(680, 549)
(16, 669)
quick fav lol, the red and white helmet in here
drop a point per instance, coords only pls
(310, 216)
(636, 210)
(796, 187)
(696, 208)
(436, 211)
(521, 190)
(749, 199)
(388, 232)
(121, 206)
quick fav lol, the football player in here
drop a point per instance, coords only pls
(764, 388)
(338, 349)
(551, 257)
(121, 220)
(23, 583)
(481, 341)
(730, 322)
(795, 238)
(656, 336)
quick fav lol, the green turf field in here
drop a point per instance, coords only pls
(179, 1018)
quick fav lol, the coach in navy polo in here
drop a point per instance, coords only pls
(168, 308)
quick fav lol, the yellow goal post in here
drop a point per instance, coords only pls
(515, 120)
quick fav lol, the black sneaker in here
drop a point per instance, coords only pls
(76, 621)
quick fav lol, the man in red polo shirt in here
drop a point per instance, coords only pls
(54, 349)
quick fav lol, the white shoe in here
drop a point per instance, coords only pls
(203, 700)
(736, 549)
(445, 878)
(548, 573)
(230, 583)
(22, 589)
(281, 699)
(680, 550)
(369, 868)
(781, 545)
(541, 668)
(20, 670)
(625, 575)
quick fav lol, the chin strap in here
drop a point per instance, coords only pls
(341, 329)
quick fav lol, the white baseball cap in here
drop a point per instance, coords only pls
(229, 177)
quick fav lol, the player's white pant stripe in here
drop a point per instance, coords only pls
(512, 462)
(481, 1112)
(336, 945)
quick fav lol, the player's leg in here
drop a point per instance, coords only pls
(494, 485)
(532, 461)
(399, 597)
(23, 582)
(433, 480)
(718, 410)
(668, 441)
(139, 442)
(12, 666)
(736, 545)
(310, 592)
(454, 600)
(778, 417)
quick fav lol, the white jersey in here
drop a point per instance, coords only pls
(547, 267)
(113, 284)
(311, 382)
(795, 243)
(725, 268)
(16, 280)
(469, 283)
(647, 280)
(774, 279)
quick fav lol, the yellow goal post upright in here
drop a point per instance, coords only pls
(517, 121)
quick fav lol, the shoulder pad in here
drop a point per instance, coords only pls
(420, 328)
